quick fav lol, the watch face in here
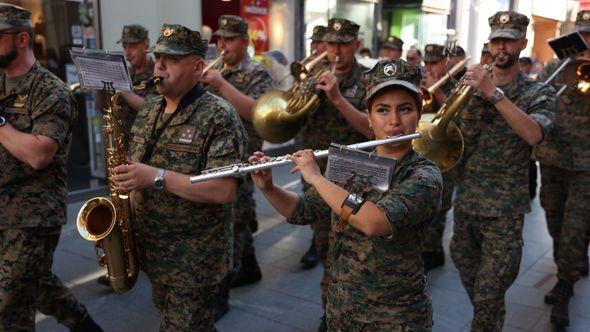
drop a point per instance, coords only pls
(159, 183)
(2, 121)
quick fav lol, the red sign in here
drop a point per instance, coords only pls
(256, 13)
(584, 5)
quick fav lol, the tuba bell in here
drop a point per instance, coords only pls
(109, 221)
(278, 115)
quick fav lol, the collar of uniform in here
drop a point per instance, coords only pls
(512, 89)
(351, 77)
(405, 161)
(148, 69)
(23, 86)
(191, 98)
(241, 67)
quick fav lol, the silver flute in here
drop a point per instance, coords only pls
(245, 168)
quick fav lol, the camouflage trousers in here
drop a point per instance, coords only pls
(434, 232)
(244, 215)
(487, 252)
(362, 312)
(565, 196)
(185, 308)
(27, 283)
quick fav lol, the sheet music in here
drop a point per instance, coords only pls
(96, 66)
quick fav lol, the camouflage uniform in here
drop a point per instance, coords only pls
(565, 172)
(252, 79)
(387, 273)
(135, 34)
(378, 283)
(186, 247)
(492, 187)
(325, 124)
(434, 232)
(34, 201)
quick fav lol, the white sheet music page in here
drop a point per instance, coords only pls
(95, 67)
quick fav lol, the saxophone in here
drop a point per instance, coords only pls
(109, 222)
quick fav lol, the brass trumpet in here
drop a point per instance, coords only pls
(214, 63)
(428, 94)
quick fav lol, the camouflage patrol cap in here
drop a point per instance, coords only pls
(319, 31)
(389, 72)
(133, 33)
(176, 39)
(509, 24)
(486, 48)
(341, 31)
(394, 43)
(583, 21)
(434, 52)
(12, 16)
(231, 26)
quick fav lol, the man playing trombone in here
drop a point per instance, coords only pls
(565, 179)
(509, 114)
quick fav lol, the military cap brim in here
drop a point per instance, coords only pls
(130, 40)
(228, 34)
(331, 37)
(507, 33)
(432, 58)
(163, 49)
(404, 84)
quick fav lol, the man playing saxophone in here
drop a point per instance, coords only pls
(509, 114)
(565, 181)
(435, 62)
(36, 115)
(184, 230)
(240, 81)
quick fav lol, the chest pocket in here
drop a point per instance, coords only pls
(19, 118)
(184, 158)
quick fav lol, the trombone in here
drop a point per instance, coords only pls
(428, 94)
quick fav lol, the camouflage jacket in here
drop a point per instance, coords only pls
(40, 105)
(126, 113)
(325, 124)
(493, 173)
(252, 79)
(186, 242)
(567, 145)
(387, 272)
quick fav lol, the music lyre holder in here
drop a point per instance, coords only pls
(566, 47)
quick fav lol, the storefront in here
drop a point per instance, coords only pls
(417, 22)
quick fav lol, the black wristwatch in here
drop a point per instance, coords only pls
(2, 121)
(159, 181)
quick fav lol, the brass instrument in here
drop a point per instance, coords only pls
(428, 94)
(577, 75)
(278, 115)
(109, 222)
(441, 140)
(74, 86)
(214, 62)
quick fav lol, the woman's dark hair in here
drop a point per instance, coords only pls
(416, 96)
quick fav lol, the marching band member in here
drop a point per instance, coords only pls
(509, 114)
(565, 184)
(378, 276)
(184, 230)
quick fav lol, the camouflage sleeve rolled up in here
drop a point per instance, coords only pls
(414, 200)
(54, 115)
(310, 208)
(542, 108)
(228, 144)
